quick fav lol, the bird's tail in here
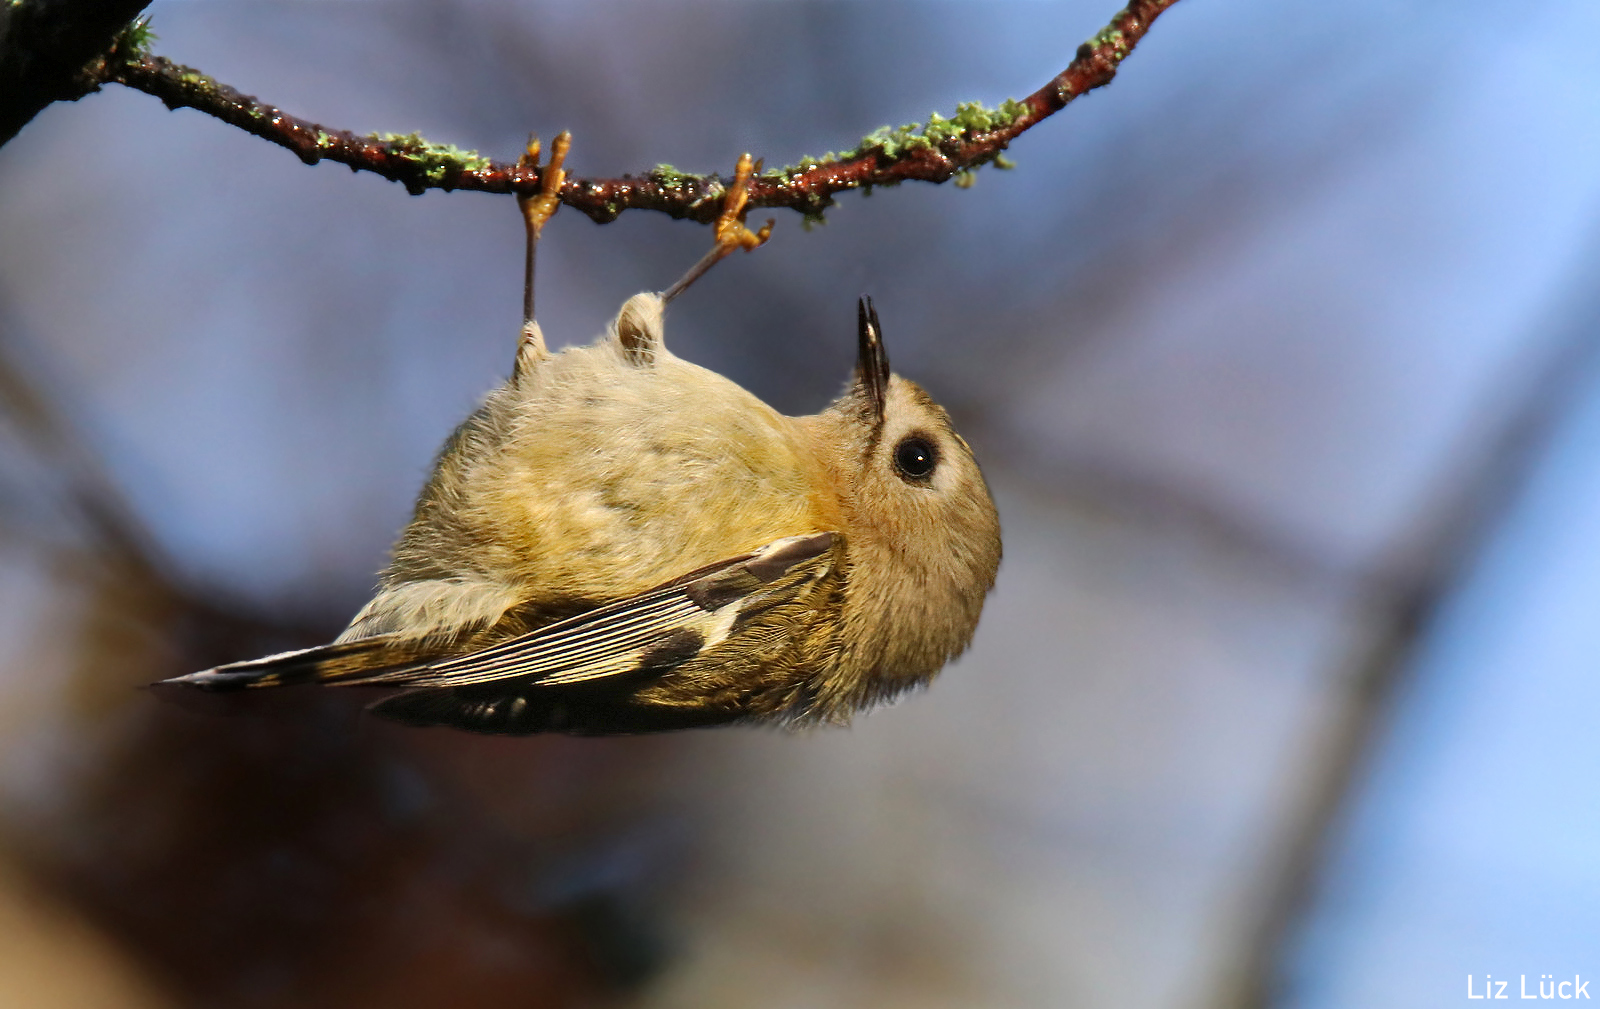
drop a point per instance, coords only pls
(350, 663)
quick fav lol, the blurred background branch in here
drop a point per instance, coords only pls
(1427, 569)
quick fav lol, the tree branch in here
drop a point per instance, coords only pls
(934, 151)
(55, 50)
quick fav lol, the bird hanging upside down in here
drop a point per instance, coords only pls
(620, 541)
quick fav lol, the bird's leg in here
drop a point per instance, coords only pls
(536, 210)
(730, 229)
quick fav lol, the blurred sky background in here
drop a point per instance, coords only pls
(1236, 343)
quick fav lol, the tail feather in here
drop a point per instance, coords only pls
(352, 663)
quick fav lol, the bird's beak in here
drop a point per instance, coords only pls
(872, 364)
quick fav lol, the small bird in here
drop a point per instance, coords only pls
(619, 541)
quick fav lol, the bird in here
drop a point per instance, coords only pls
(620, 541)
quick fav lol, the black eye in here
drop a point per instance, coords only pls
(915, 457)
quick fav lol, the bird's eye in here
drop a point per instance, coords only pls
(915, 457)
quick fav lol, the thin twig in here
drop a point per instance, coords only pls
(935, 155)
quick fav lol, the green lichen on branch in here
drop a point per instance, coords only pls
(1113, 39)
(971, 119)
(939, 150)
(668, 175)
(134, 40)
(190, 86)
(892, 142)
(436, 162)
(130, 44)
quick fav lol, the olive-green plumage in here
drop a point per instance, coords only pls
(621, 541)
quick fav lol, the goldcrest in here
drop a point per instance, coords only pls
(620, 541)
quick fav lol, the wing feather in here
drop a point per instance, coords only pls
(654, 630)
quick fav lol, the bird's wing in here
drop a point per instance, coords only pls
(656, 630)
(340, 662)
